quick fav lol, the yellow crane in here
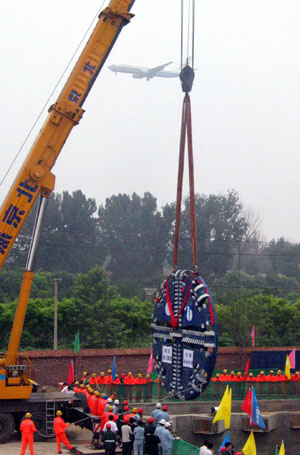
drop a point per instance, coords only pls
(35, 177)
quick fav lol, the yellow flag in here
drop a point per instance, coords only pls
(228, 408)
(250, 447)
(282, 449)
(224, 411)
(287, 370)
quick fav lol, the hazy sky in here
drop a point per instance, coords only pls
(245, 101)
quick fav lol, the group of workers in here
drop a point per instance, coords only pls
(28, 429)
(261, 377)
(103, 379)
(128, 428)
(117, 424)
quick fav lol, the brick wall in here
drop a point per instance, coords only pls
(51, 367)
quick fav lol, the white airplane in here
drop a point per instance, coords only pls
(148, 73)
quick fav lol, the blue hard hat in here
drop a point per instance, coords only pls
(105, 397)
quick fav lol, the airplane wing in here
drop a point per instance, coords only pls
(156, 69)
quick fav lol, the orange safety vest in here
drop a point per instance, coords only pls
(27, 427)
(59, 425)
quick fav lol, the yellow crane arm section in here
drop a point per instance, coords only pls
(35, 175)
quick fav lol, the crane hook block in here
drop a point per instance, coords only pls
(187, 75)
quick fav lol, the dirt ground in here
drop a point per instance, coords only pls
(78, 437)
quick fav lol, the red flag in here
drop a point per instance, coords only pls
(246, 369)
(292, 357)
(70, 379)
(247, 404)
(150, 364)
(253, 336)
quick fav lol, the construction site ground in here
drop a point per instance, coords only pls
(81, 438)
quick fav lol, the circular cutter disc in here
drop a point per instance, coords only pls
(184, 331)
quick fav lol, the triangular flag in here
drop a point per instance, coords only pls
(282, 449)
(276, 451)
(256, 418)
(292, 357)
(250, 447)
(287, 370)
(247, 404)
(150, 364)
(114, 369)
(247, 369)
(226, 439)
(76, 343)
(224, 411)
(70, 379)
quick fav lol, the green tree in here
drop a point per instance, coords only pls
(220, 226)
(135, 236)
(69, 240)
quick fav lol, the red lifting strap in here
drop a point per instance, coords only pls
(186, 127)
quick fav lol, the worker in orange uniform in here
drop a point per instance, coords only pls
(108, 377)
(27, 429)
(295, 381)
(76, 387)
(224, 376)
(270, 382)
(59, 428)
(116, 380)
(239, 377)
(94, 403)
(84, 376)
(101, 378)
(261, 379)
(232, 377)
(129, 381)
(93, 379)
(251, 378)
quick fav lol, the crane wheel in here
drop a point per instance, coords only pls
(7, 426)
(40, 421)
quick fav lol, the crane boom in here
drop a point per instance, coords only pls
(35, 175)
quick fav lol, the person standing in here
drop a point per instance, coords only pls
(109, 440)
(138, 444)
(166, 440)
(203, 447)
(126, 436)
(151, 442)
(27, 429)
(59, 428)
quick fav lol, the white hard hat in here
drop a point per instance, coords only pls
(162, 422)
(158, 405)
(167, 424)
(116, 402)
(109, 400)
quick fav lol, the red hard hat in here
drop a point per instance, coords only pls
(222, 449)
(126, 408)
(165, 407)
(126, 419)
(125, 402)
(151, 420)
(140, 410)
(108, 425)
